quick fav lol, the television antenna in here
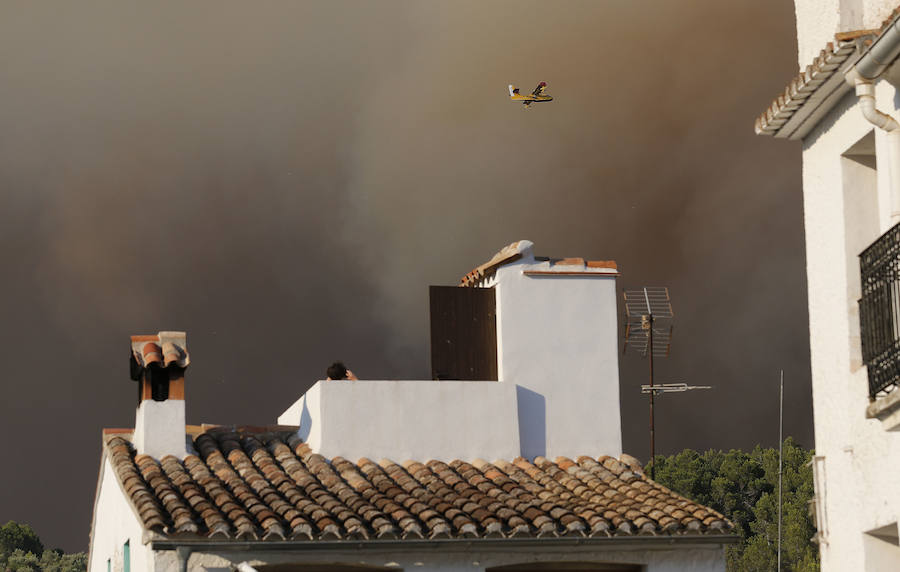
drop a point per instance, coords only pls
(648, 329)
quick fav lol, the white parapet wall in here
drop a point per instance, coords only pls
(400, 420)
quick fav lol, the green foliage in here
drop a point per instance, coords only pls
(19, 536)
(22, 551)
(59, 562)
(744, 487)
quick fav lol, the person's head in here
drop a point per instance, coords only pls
(336, 371)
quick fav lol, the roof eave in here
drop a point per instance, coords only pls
(203, 545)
(815, 91)
(817, 106)
(812, 94)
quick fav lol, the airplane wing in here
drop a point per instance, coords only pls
(539, 90)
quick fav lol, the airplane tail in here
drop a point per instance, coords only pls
(512, 90)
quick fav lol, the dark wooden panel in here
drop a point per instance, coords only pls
(463, 333)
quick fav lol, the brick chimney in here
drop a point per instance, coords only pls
(158, 362)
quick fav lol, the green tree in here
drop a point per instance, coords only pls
(19, 536)
(744, 487)
(21, 561)
(21, 550)
(56, 561)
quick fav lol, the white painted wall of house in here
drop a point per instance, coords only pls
(558, 389)
(469, 558)
(819, 20)
(115, 522)
(861, 459)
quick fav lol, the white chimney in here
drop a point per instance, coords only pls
(157, 364)
(557, 341)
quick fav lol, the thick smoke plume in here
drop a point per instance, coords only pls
(284, 180)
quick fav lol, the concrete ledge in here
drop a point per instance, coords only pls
(887, 410)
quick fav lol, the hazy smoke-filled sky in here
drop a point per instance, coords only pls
(283, 180)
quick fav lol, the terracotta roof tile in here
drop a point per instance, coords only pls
(267, 484)
(803, 86)
(602, 264)
(570, 262)
(507, 254)
(165, 349)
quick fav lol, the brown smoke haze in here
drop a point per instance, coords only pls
(283, 180)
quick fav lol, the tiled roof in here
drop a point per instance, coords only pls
(513, 252)
(801, 94)
(803, 86)
(268, 485)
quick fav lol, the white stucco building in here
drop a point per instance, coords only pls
(510, 460)
(843, 106)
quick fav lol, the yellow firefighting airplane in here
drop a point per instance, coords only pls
(537, 96)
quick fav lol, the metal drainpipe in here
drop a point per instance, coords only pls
(865, 92)
(183, 553)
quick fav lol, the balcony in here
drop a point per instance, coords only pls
(879, 324)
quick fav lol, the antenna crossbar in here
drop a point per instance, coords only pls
(671, 388)
(648, 301)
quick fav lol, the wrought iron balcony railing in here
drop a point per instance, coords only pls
(879, 312)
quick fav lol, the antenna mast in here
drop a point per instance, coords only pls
(646, 312)
(780, 457)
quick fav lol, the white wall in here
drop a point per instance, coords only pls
(882, 555)
(861, 460)
(115, 522)
(875, 12)
(862, 227)
(467, 557)
(402, 420)
(557, 341)
(819, 20)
